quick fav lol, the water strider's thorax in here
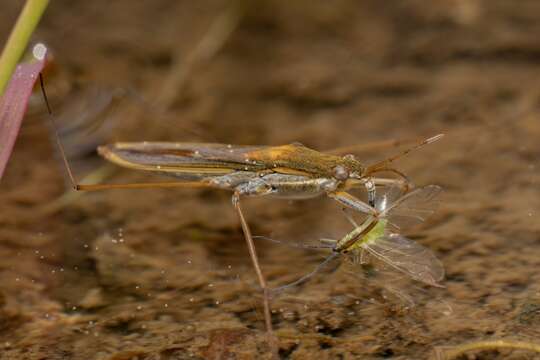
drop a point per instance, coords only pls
(287, 186)
(298, 159)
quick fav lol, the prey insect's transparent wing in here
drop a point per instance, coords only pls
(408, 257)
(409, 210)
(183, 158)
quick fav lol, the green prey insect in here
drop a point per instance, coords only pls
(291, 171)
(379, 237)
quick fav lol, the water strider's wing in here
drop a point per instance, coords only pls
(220, 159)
(413, 208)
(408, 257)
(183, 158)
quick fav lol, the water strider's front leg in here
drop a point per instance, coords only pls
(371, 184)
(403, 183)
(352, 202)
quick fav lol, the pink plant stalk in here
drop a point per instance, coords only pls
(14, 102)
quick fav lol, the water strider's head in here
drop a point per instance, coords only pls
(348, 168)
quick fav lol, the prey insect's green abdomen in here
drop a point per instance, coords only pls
(372, 236)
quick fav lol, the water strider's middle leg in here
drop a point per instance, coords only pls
(258, 271)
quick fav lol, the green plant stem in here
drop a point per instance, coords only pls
(18, 39)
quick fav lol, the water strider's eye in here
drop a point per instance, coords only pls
(341, 173)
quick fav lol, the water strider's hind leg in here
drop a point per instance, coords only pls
(258, 271)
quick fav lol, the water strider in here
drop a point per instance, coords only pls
(291, 171)
(379, 237)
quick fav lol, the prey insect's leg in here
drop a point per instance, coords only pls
(327, 241)
(350, 218)
(256, 265)
(307, 276)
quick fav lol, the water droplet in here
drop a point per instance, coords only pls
(39, 51)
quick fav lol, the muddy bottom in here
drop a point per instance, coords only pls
(165, 273)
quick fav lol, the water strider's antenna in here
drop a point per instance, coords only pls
(385, 164)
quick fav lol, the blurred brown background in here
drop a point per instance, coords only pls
(164, 274)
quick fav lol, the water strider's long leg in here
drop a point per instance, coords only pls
(385, 165)
(150, 185)
(256, 265)
(195, 184)
(382, 144)
(245, 228)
